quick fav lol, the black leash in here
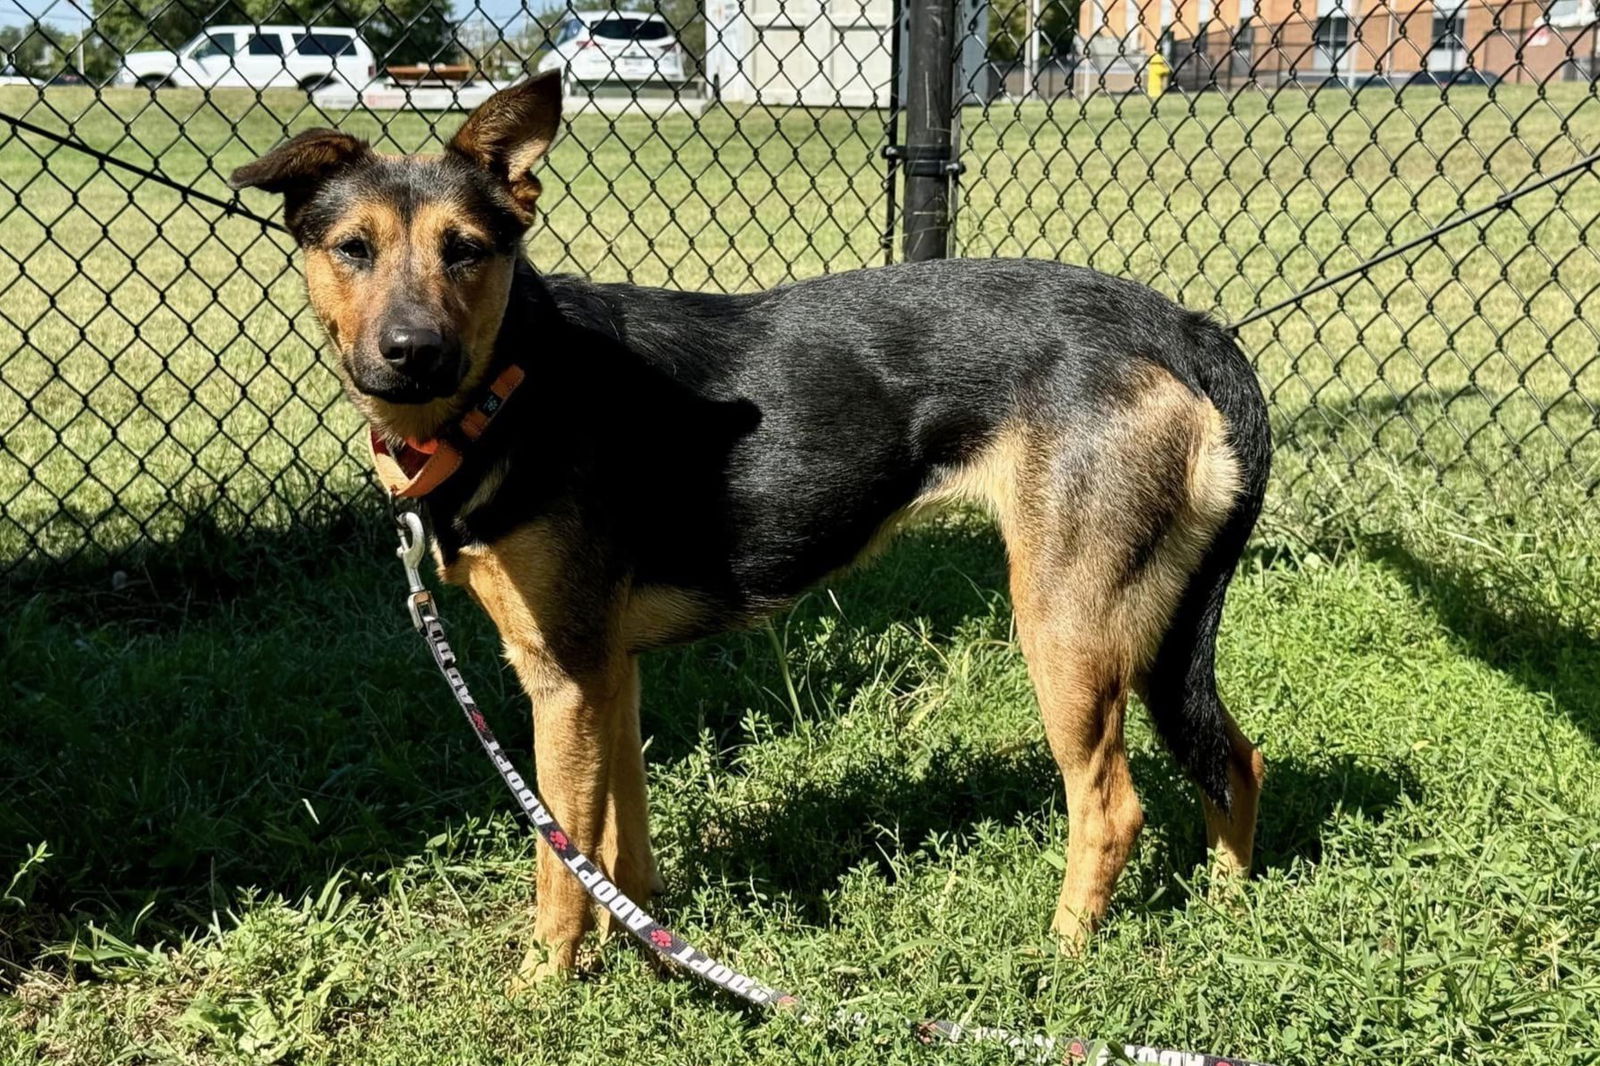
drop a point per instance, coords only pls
(232, 207)
(668, 945)
(1500, 203)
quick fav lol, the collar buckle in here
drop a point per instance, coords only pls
(412, 469)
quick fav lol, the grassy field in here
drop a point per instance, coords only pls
(159, 364)
(240, 823)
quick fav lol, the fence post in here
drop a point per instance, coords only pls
(929, 103)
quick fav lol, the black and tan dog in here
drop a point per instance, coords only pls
(669, 465)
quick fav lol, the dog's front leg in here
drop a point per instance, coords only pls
(591, 775)
(561, 638)
(625, 840)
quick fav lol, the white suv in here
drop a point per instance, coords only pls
(633, 46)
(257, 57)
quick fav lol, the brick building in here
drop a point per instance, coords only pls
(1233, 42)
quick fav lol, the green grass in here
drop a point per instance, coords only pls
(260, 834)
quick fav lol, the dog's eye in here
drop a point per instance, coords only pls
(460, 252)
(355, 249)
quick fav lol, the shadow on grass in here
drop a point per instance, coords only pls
(936, 577)
(799, 848)
(1528, 643)
(160, 731)
(157, 586)
(1468, 433)
(256, 712)
(1541, 653)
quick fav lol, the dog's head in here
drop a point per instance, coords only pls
(409, 259)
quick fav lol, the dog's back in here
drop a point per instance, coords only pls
(870, 390)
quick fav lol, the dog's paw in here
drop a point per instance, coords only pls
(1072, 930)
(541, 966)
(1226, 881)
(1227, 868)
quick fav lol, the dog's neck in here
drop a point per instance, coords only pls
(531, 449)
(596, 423)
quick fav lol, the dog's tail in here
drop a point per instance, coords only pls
(1181, 685)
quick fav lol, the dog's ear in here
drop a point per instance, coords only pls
(511, 131)
(300, 164)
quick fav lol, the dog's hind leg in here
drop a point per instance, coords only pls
(1062, 536)
(1180, 689)
(1082, 685)
(1231, 832)
(1230, 457)
(1111, 520)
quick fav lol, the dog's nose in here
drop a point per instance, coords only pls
(414, 349)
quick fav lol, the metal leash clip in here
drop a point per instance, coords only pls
(413, 545)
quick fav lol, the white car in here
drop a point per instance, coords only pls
(630, 46)
(256, 57)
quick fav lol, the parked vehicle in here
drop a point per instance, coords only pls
(256, 57)
(600, 46)
(1394, 82)
(1318, 81)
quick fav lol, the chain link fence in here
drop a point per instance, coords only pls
(159, 371)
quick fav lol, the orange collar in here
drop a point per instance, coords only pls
(415, 468)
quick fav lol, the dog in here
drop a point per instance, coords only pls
(608, 469)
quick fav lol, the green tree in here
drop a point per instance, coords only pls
(508, 55)
(31, 49)
(41, 50)
(136, 25)
(1008, 28)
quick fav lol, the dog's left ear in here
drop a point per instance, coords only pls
(511, 131)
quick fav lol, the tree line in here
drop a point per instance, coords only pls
(412, 31)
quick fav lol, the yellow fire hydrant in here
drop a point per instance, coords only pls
(1156, 75)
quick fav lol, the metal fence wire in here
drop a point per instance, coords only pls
(159, 370)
